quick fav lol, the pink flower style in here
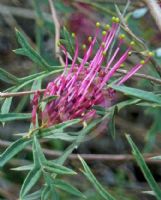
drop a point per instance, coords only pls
(79, 87)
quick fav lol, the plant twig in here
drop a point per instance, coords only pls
(14, 94)
(155, 11)
(57, 31)
(90, 157)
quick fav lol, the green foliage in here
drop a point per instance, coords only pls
(30, 180)
(7, 77)
(147, 174)
(14, 116)
(67, 188)
(13, 149)
(33, 196)
(49, 170)
(87, 172)
(141, 94)
(28, 51)
(42, 167)
(68, 41)
(6, 106)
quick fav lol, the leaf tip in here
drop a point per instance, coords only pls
(16, 30)
(127, 135)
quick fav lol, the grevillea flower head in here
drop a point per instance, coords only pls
(83, 85)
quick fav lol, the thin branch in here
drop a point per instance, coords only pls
(57, 31)
(90, 157)
(155, 11)
(14, 94)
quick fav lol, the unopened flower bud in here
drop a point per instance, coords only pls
(89, 39)
(122, 36)
(73, 35)
(107, 27)
(142, 62)
(132, 43)
(84, 46)
(97, 24)
(103, 33)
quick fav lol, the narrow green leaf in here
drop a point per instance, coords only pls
(61, 136)
(45, 193)
(146, 104)
(32, 76)
(141, 94)
(28, 51)
(68, 188)
(59, 127)
(33, 196)
(128, 102)
(7, 102)
(67, 124)
(41, 76)
(145, 170)
(6, 105)
(58, 169)
(105, 194)
(23, 168)
(39, 32)
(149, 192)
(38, 154)
(100, 110)
(7, 77)
(53, 195)
(156, 158)
(68, 41)
(12, 150)
(31, 179)
(14, 116)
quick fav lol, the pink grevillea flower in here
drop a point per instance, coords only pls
(83, 85)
